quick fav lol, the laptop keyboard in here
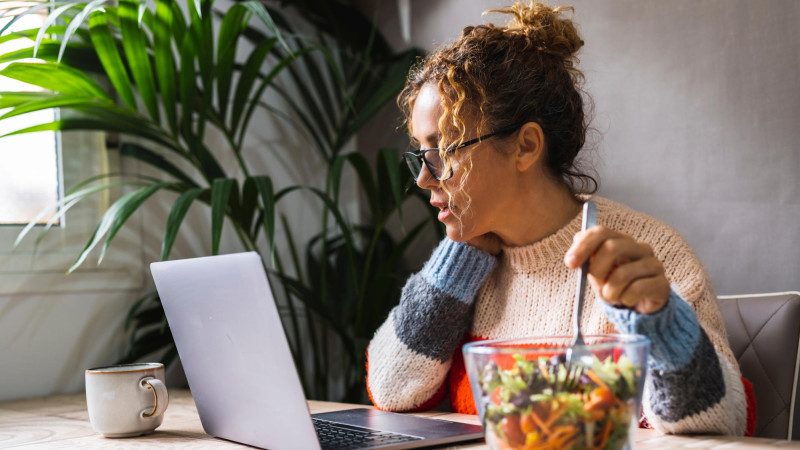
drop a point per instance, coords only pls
(334, 435)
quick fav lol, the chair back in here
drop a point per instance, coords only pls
(764, 333)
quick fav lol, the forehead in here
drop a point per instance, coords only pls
(426, 113)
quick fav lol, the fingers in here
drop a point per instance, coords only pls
(646, 295)
(585, 243)
(608, 248)
(615, 286)
(622, 271)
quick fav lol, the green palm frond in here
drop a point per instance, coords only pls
(160, 74)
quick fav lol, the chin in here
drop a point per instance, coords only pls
(455, 235)
(454, 232)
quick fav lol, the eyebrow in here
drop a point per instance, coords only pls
(433, 137)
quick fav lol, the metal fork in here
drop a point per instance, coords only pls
(578, 353)
(572, 378)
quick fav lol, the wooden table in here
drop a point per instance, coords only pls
(62, 422)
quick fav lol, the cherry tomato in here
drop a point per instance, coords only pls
(600, 399)
(495, 397)
(595, 415)
(512, 431)
(603, 396)
(527, 424)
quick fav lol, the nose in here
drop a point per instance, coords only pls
(426, 180)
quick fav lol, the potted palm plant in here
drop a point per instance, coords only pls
(171, 76)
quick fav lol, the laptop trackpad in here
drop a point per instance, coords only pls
(400, 423)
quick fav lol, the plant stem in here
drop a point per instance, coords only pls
(236, 149)
(247, 242)
(323, 270)
(323, 258)
(326, 342)
(297, 351)
(293, 250)
(318, 375)
(367, 265)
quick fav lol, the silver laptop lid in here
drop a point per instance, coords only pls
(244, 384)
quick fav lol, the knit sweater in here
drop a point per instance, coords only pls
(463, 294)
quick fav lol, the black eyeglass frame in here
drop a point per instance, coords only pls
(420, 155)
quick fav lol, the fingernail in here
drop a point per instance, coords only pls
(570, 259)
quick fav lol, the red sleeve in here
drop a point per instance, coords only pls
(751, 407)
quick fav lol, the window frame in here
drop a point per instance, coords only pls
(28, 268)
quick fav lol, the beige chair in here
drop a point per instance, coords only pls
(764, 333)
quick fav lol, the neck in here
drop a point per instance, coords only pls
(538, 212)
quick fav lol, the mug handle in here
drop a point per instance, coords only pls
(160, 394)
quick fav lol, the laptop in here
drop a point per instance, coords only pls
(239, 366)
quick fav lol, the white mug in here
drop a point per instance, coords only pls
(126, 400)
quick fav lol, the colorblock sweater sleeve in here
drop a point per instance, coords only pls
(690, 387)
(410, 355)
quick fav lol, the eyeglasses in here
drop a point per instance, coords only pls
(433, 159)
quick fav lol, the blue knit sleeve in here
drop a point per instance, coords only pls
(458, 269)
(673, 331)
(685, 379)
(411, 353)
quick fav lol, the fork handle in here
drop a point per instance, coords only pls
(589, 220)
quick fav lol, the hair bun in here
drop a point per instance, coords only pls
(544, 26)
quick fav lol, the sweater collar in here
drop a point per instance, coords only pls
(543, 253)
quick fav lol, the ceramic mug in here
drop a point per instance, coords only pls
(126, 400)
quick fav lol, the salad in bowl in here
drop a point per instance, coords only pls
(530, 396)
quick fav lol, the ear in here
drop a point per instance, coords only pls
(530, 142)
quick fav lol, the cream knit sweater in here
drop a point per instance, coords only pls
(463, 294)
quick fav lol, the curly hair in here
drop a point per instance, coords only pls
(503, 76)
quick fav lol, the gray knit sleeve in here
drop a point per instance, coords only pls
(690, 388)
(410, 355)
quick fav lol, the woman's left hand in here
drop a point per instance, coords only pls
(622, 271)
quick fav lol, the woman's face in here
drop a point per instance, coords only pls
(484, 201)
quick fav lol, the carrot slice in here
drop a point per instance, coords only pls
(590, 373)
(569, 443)
(561, 435)
(545, 429)
(604, 436)
(555, 415)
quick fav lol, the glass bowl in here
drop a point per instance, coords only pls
(528, 397)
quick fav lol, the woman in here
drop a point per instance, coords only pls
(500, 118)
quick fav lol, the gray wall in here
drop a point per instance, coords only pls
(697, 111)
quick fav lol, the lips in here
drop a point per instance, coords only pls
(444, 210)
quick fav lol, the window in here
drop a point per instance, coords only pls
(29, 163)
(34, 169)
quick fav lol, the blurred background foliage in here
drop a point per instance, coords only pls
(170, 72)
